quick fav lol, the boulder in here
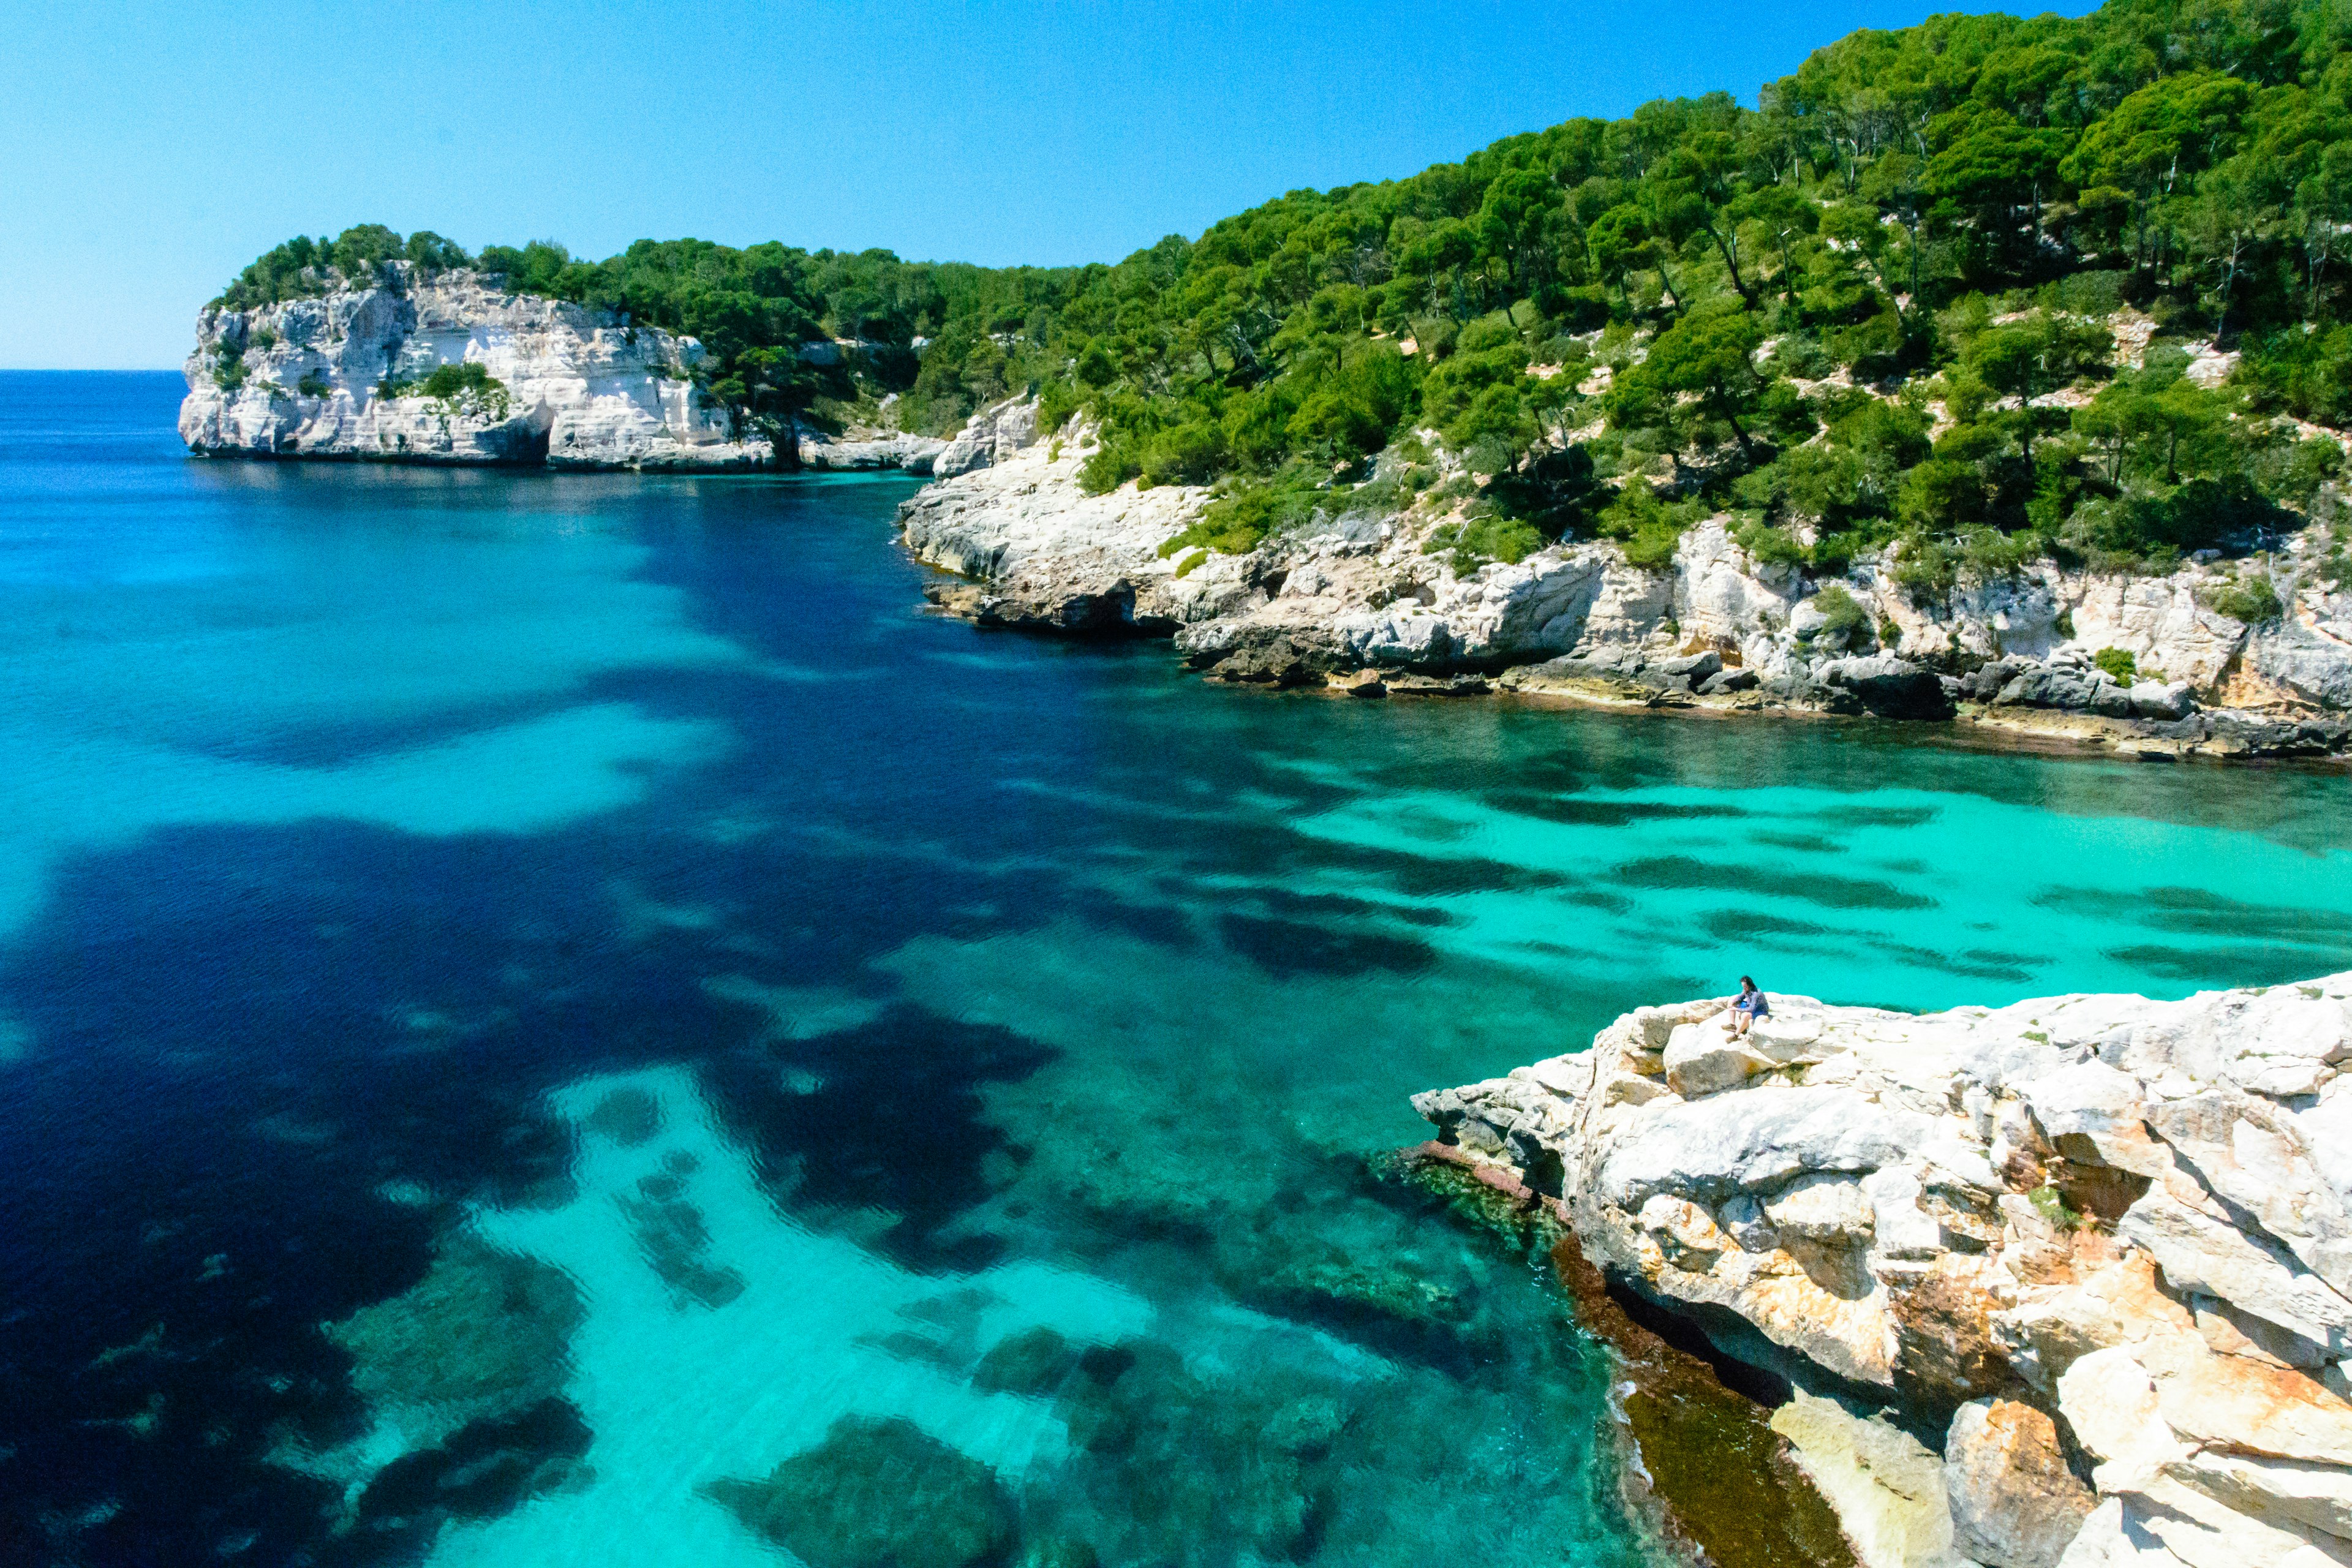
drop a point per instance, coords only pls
(1832, 1210)
(1887, 686)
(1704, 1058)
(2015, 1504)
(2048, 686)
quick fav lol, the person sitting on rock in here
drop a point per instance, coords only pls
(1748, 1007)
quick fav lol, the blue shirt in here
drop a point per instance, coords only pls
(1752, 1003)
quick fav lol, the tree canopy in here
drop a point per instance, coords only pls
(1876, 305)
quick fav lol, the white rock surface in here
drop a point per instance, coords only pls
(2124, 1218)
(1046, 553)
(581, 388)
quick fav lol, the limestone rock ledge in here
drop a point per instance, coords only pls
(580, 388)
(1359, 603)
(2098, 1249)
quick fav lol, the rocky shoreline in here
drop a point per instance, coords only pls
(1361, 604)
(2064, 1284)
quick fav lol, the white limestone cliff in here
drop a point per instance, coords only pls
(578, 389)
(2103, 1243)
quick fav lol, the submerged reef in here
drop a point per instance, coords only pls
(465, 1374)
(485, 1333)
(873, 1494)
(2065, 1282)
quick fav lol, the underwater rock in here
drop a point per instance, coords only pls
(1390, 1307)
(483, 1470)
(1033, 1361)
(1058, 1555)
(1168, 1459)
(671, 1234)
(484, 1334)
(627, 1116)
(878, 1494)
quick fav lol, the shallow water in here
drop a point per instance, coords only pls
(524, 997)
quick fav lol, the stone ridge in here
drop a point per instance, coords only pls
(1361, 604)
(581, 388)
(2098, 1247)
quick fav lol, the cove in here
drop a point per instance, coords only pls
(527, 1001)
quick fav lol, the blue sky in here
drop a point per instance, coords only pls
(152, 150)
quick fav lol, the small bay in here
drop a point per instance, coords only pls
(529, 1001)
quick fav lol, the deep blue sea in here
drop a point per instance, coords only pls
(525, 1000)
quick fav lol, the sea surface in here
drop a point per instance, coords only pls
(561, 1020)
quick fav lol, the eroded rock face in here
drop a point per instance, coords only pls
(2015, 1503)
(2092, 1238)
(1359, 597)
(577, 387)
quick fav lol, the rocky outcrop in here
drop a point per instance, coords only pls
(1039, 551)
(344, 375)
(1360, 598)
(2095, 1250)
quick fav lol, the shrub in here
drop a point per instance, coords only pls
(468, 389)
(2254, 602)
(2118, 662)
(314, 384)
(1555, 492)
(2089, 293)
(1057, 401)
(228, 367)
(1645, 528)
(1842, 614)
(2053, 1206)
(1189, 454)
(1112, 463)
(1238, 521)
(1768, 546)
(1477, 540)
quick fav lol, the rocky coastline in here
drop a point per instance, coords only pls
(2063, 1284)
(340, 377)
(1361, 604)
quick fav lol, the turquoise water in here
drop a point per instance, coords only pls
(524, 997)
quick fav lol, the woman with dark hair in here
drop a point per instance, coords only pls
(1748, 1007)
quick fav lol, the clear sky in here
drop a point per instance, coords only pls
(150, 150)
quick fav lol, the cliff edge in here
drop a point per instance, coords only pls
(2095, 1250)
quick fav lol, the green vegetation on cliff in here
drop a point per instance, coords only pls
(1886, 303)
